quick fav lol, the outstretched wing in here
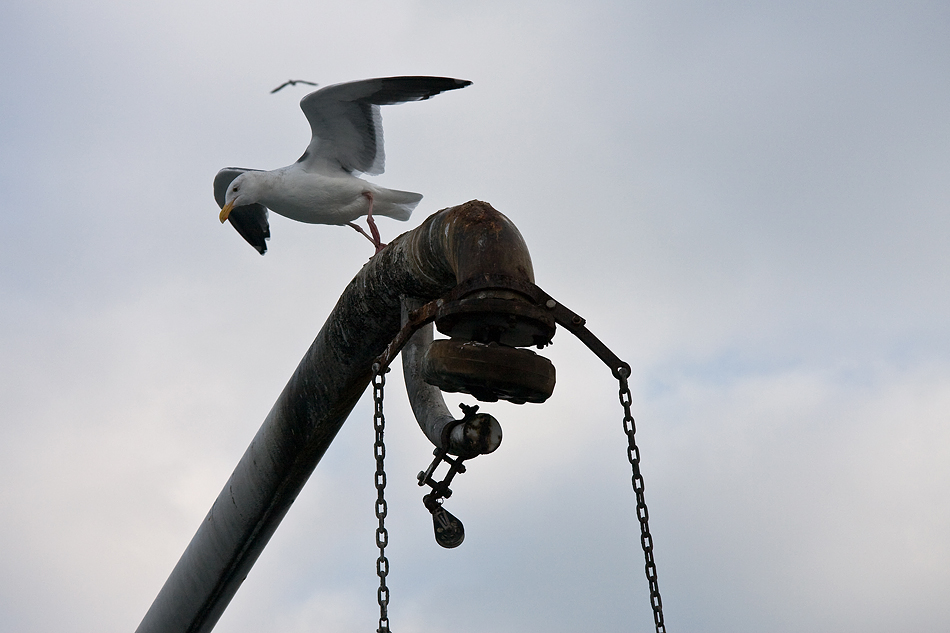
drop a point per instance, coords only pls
(249, 220)
(345, 122)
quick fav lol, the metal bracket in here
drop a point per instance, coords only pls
(561, 314)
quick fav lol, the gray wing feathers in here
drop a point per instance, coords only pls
(250, 221)
(345, 120)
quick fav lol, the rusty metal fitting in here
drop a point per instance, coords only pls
(489, 372)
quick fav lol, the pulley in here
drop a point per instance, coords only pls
(449, 531)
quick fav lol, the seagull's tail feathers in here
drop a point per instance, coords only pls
(395, 204)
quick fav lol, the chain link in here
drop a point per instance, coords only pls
(633, 455)
(382, 536)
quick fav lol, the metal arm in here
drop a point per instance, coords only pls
(449, 247)
(477, 434)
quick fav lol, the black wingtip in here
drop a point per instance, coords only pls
(251, 222)
(394, 90)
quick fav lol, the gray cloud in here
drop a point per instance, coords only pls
(747, 202)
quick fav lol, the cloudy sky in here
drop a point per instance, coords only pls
(747, 201)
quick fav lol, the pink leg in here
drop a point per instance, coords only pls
(361, 231)
(372, 224)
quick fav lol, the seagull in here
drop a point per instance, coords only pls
(292, 82)
(321, 188)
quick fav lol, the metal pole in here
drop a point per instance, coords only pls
(450, 247)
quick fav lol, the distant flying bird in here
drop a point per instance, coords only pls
(292, 82)
(321, 188)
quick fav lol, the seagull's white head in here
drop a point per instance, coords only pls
(243, 190)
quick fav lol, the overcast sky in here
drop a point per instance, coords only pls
(747, 201)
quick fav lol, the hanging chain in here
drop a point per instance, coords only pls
(633, 454)
(576, 325)
(382, 536)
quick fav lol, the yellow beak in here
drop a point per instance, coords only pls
(225, 212)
